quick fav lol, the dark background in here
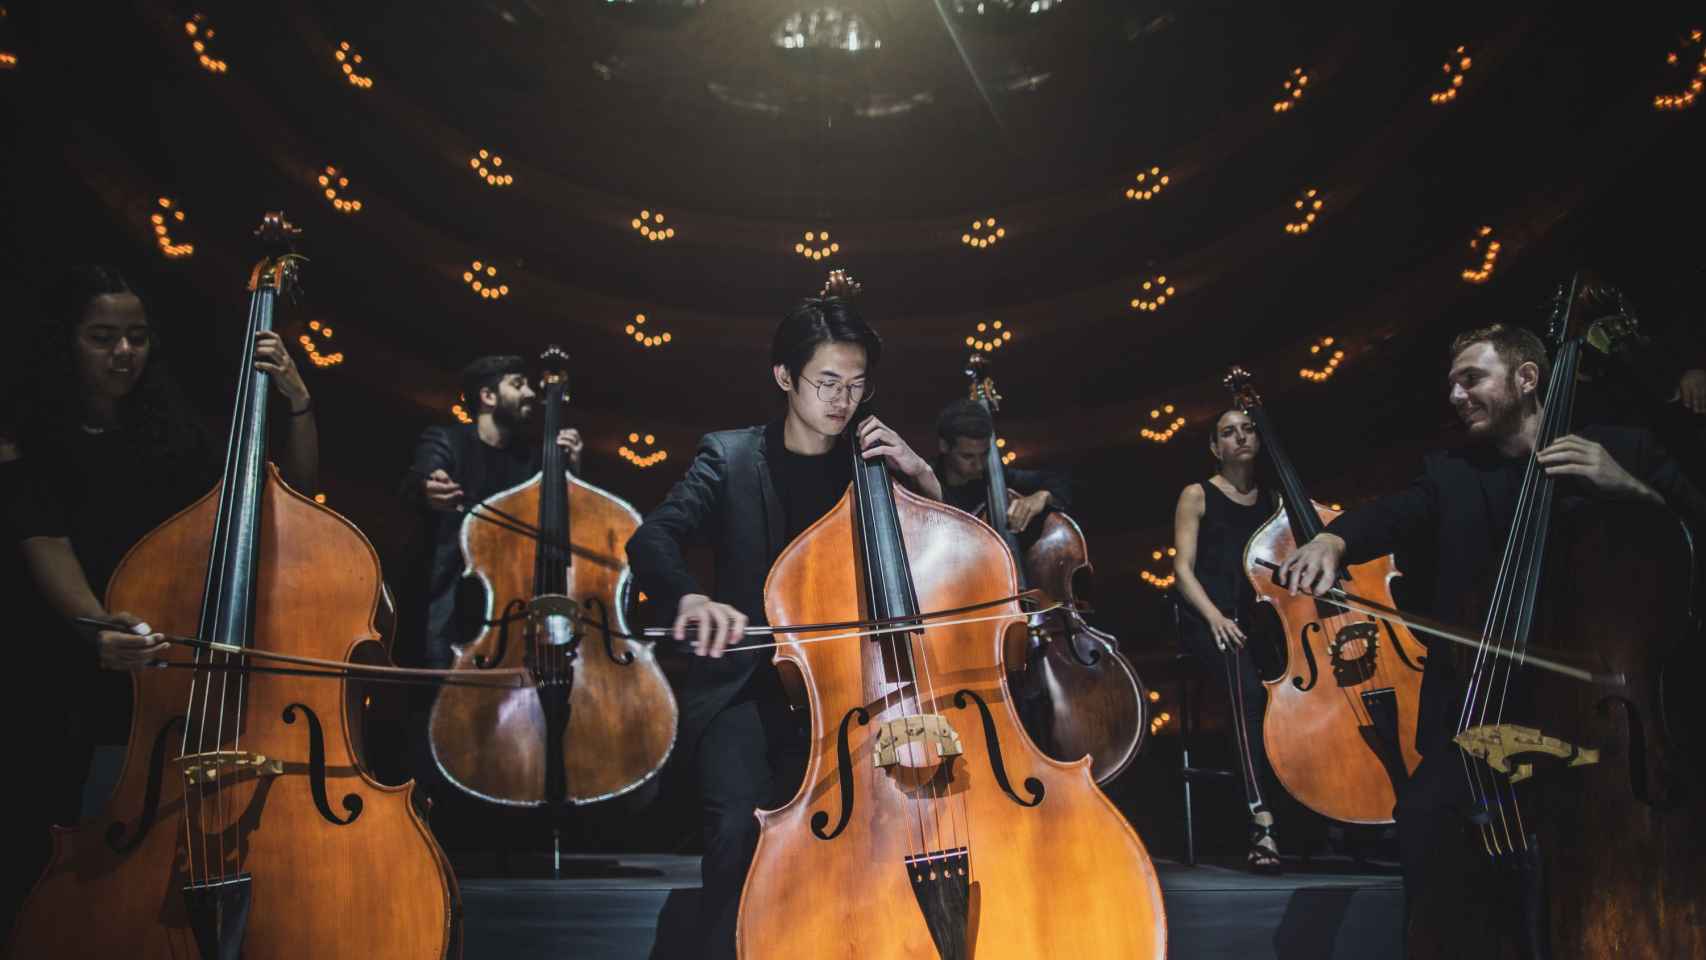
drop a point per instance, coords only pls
(604, 109)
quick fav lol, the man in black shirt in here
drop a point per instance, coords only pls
(963, 434)
(1455, 519)
(748, 493)
(455, 467)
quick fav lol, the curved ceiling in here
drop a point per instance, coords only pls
(603, 109)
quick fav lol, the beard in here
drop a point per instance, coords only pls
(1503, 412)
(512, 412)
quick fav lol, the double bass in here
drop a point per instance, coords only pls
(1092, 700)
(244, 823)
(1590, 776)
(599, 718)
(927, 824)
(1340, 724)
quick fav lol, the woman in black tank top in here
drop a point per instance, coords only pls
(1213, 522)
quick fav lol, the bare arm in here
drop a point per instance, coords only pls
(300, 461)
(54, 567)
(1187, 517)
(1187, 521)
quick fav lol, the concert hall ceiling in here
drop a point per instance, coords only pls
(1140, 192)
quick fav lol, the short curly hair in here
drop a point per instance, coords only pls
(1514, 345)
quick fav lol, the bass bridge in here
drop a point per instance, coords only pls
(1500, 745)
(922, 740)
(209, 766)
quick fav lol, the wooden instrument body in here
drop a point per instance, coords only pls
(621, 717)
(1624, 839)
(374, 886)
(850, 896)
(1314, 728)
(1096, 704)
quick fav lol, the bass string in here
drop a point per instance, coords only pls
(862, 536)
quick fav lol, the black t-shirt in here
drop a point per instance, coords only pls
(103, 492)
(809, 485)
(432, 617)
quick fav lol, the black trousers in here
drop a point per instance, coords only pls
(752, 754)
(1460, 903)
(1233, 677)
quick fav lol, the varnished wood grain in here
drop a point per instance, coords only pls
(374, 888)
(622, 718)
(1066, 878)
(1314, 737)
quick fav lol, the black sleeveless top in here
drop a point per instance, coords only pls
(1225, 528)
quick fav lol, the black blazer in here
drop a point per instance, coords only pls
(1452, 522)
(725, 500)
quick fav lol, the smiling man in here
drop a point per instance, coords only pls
(748, 493)
(1455, 519)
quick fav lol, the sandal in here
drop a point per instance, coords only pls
(1263, 856)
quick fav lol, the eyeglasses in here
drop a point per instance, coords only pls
(832, 390)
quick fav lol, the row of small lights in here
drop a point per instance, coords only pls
(1149, 183)
(332, 181)
(1685, 99)
(1154, 296)
(1310, 205)
(308, 346)
(460, 412)
(642, 460)
(8, 59)
(998, 337)
(1455, 68)
(1489, 250)
(643, 338)
(1159, 720)
(982, 237)
(348, 59)
(1007, 456)
(478, 280)
(162, 232)
(817, 245)
(485, 165)
(200, 33)
(1332, 367)
(643, 224)
(1293, 88)
(1160, 582)
(1164, 434)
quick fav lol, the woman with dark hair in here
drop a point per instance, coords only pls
(108, 449)
(748, 493)
(1213, 521)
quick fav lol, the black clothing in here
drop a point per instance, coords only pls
(752, 754)
(747, 496)
(1456, 517)
(809, 485)
(970, 496)
(436, 569)
(727, 499)
(1225, 528)
(103, 492)
(1223, 532)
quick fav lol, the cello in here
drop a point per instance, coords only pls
(244, 822)
(599, 718)
(927, 824)
(1340, 724)
(1094, 703)
(1593, 770)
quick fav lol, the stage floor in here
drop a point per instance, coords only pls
(646, 906)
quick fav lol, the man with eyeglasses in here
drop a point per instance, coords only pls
(748, 493)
